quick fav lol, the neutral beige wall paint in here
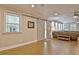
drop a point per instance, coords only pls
(41, 29)
(27, 35)
(48, 29)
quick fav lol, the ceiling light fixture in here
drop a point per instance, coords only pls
(32, 5)
(75, 17)
(56, 14)
(76, 14)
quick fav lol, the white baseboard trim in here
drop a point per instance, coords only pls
(40, 39)
(17, 45)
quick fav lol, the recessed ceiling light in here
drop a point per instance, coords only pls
(32, 5)
(56, 14)
(75, 17)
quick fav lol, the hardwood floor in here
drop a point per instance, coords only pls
(49, 47)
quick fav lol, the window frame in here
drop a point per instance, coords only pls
(72, 27)
(20, 21)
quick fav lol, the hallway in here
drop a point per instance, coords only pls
(49, 47)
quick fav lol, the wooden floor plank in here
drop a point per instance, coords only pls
(50, 47)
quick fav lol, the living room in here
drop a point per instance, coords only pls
(26, 26)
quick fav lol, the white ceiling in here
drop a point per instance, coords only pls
(47, 11)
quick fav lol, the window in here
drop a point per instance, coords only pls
(53, 26)
(70, 27)
(12, 22)
(73, 27)
(66, 27)
(56, 26)
(59, 26)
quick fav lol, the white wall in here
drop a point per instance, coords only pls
(27, 35)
